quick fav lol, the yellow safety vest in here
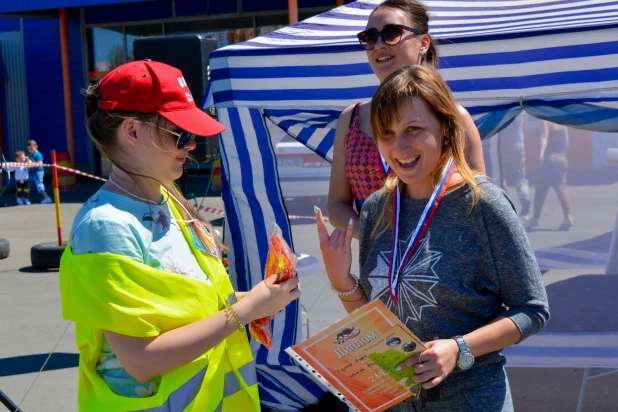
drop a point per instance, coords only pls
(115, 293)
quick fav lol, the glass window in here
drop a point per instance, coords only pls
(142, 30)
(107, 48)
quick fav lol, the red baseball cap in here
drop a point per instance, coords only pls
(153, 87)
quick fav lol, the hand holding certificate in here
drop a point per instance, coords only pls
(357, 358)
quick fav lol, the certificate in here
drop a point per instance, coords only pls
(356, 358)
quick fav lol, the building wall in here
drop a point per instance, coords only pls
(15, 121)
(41, 111)
(45, 88)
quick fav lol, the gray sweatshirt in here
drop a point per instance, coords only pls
(473, 265)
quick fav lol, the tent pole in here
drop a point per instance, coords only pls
(339, 3)
(293, 11)
(66, 82)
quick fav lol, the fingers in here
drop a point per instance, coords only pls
(322, 231)
(291, 283)
(408, 362)
(337, 239)
(432, 383)
(270, 281)
(424, 377)
(294, 294)
(348, 235)
(415, 360)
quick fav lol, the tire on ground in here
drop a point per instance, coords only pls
(46, 255)
(5, 249)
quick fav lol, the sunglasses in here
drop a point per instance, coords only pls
(391, 35)
(183, 137)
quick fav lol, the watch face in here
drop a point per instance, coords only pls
(466, 360)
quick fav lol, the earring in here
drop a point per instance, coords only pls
(445, 141)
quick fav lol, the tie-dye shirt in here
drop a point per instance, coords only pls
(113, 223)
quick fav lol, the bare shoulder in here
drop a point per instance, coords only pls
(343, 123)
(346, 114)
(463, 113)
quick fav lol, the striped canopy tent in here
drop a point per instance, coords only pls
(555, 59)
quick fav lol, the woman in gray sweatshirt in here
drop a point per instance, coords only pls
(458, 270)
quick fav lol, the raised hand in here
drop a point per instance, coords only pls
(337, 252)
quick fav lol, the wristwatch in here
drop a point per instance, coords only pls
(466, 359)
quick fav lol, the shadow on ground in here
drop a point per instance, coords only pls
(30, 269)
(19, 365)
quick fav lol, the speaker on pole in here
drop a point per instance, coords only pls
(189, 53)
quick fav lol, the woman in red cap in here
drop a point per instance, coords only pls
(158, 325)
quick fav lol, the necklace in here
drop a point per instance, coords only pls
(150, 201)
(129, 193)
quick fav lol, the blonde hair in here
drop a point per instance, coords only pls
(399, 88)
(19, 153)
(102, 126)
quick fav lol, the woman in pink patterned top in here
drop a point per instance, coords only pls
(396, 36)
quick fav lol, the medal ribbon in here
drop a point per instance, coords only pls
(395, 269)
(383, 165)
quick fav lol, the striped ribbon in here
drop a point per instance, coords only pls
(68, 169)
(383, 165)
(394, 269)
(203, 208)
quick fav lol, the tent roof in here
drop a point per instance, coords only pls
(494, 55)
(451, 21)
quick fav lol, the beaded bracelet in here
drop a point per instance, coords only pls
(348, 293)
(229, 310)
(353, 301)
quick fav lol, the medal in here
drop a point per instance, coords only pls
(395, 268)
(209, 246)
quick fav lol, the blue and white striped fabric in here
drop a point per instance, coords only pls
(314, 128)
(253, 201)
(556, 59)
(495, 55)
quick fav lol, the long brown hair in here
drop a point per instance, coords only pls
(417, 13)
(102, 126)
(396, 90)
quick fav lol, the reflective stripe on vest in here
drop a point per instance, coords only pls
(231, 382)
(181, 397)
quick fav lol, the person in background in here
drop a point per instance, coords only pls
(443, 248)
(396, 36)
(554, 140)
(513, 161)
(22, 190)
(36, 170)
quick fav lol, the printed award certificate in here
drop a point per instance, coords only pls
(356, 358)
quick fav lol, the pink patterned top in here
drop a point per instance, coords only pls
(362, 164)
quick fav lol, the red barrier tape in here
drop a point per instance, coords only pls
(203, 208)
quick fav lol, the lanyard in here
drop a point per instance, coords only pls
(395, 268)
(383, 165)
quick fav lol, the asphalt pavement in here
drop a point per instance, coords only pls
(31, 326)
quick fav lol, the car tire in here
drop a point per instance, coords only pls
(5, 249)
(46, 255)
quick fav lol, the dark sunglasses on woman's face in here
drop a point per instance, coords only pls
(391, 35)
(183, 137)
